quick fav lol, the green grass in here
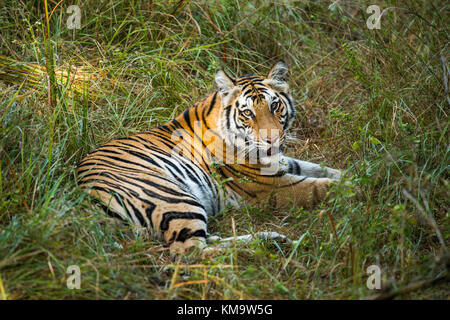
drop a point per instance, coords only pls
(374, 102)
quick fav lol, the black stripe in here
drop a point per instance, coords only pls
(183, 235)
(164, 188)
(104, 150)
(186, 233)
(228, 110)
(248, 91)
(211, 105)
(149, 211)
(297, 169)
(199, 233)
(142, 157)
(124, 161)
(176, 124)
(164, 128)
(138, 214)
(172, 200)
(169, 163)
(171, 215)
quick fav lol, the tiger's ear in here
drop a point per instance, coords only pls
(224, 82)
(277, 76)
(279, 72)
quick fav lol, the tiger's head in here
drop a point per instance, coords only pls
(256, 111)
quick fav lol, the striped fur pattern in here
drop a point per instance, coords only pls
(223, 151)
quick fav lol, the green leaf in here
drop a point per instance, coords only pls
(357, 145)
(375, 140)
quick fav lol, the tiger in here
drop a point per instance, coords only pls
(222, 152)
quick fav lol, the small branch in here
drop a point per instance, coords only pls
(411, 287)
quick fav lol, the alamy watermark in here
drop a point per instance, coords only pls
(74, 20)
(374, 279)
(374, 21)
(74, 280)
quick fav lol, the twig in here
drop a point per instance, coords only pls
(412, 287)
(333, 227)
(427, 217)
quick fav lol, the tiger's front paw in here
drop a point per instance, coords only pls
(333, 173)
(321, 190)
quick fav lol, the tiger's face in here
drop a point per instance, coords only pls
(256, 111)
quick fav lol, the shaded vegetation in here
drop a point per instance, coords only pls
(373, 102)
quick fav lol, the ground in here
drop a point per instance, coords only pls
(371, 101)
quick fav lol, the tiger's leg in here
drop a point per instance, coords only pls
(291, 190)
(159, 204)
(183, 230)
(263, 235)
(304, 168)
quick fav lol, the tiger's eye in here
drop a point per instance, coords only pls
(247, 113)
(274, 106)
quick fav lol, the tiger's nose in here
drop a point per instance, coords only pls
(271, 139)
